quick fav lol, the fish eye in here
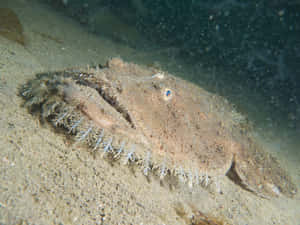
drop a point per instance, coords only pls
(167, 94)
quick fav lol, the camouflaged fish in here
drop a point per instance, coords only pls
(163, 124)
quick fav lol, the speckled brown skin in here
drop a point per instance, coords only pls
(170, 126)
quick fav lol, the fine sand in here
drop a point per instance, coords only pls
(46, 180)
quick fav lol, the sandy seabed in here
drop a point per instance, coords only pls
(46, 180)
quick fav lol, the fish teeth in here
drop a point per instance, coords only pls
(60, 118)
(108, 147)
(190, 179)
(120, 150)
(76, 124)
(130, 156)
(147, 164)
(99, 140)
(181, 175)
(197, 177)
(85, 134)
(163, 170)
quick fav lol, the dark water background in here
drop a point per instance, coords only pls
(249, 50)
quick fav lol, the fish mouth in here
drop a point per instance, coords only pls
(110, 93)
(112, 99)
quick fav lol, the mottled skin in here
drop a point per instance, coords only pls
(194, 128)
(182, 125)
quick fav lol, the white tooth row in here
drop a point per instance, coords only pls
(189, 177)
